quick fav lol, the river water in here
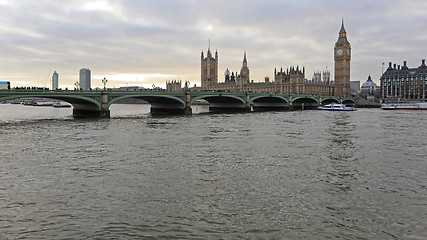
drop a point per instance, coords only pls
(270, 175)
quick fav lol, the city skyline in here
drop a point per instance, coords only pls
(150, 42)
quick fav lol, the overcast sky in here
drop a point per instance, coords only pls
(145, 42)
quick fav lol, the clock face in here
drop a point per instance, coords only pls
(339, 52)
(348, 52)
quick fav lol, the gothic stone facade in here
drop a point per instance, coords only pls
(174, 85)
(209, 69)
(342, 57)
(290, 81)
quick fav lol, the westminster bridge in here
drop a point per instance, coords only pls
(96, 103)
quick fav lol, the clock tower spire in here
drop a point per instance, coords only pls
(342, 57)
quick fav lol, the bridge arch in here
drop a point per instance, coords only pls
(304, 102)
(349, 102)
(83, 106)
(269, 103)
(215, 98)
(329, 100)
(160, 104)
(223, 103)
(75, 100)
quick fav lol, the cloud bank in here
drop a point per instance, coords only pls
(152, 41)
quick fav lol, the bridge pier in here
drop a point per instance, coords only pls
(89, 111)
(248, 103)
(188, 110)
(291, 105)
(84, 113)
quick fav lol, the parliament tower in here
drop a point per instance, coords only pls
(209, 66)
(342, 56)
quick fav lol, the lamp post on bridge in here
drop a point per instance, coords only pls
(104, 81)
(105, 112)
(77, 85)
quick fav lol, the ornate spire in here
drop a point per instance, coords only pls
(342, 38)
(245, 62)
(208, 53)
(342, 27)
(343, 33)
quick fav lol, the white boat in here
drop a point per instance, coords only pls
(404, 106)
(335, 107)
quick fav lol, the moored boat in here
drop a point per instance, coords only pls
(335, 107)
(404, 106)
(60, 105)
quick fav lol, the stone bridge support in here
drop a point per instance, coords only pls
(188, 110)
(248, 103)
(91, 110)
(291, 106)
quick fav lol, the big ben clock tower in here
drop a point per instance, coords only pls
(342, 56)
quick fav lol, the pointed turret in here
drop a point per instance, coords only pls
(245, 62)
(342, 38)
(423, 63)
(342, 28)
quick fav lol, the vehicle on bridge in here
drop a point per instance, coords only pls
(4, 85)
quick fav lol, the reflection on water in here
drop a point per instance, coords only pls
(270, 175)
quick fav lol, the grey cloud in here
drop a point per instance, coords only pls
(166, 37)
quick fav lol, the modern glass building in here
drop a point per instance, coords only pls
(404, 83)
(84, 79)
(55, 78)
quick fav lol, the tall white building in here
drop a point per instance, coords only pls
(55, 78)
(84, 80)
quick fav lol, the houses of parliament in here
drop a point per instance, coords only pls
(291, 80)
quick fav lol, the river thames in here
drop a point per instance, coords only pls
(268, 175)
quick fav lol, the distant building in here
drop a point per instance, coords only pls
(354, 87)
(130, 88)
(55, 78)
(209, 73)
(84, 79)
(404, 83)
(369, 86)
(369, 89)
(174, 85)
(342, 58)
(291, 80)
